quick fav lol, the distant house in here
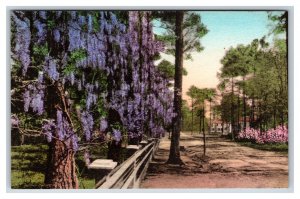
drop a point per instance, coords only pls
(217, 126)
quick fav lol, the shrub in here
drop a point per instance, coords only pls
(277, 135)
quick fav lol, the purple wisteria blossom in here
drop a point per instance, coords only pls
(58, 14)
(51, 69)
(43, 14)
(41, 30)
(41, 77)
(60, 125)
(90, 23)
(87, 124)
(34, 98)
(49, 129)
(86, 157)
(74, 140)
(117, 135)
(103, 124)
(37, 103)
(14, 121)
(91, 100)
(23, 39)
(56, 34)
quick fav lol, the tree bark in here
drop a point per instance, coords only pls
(61, 172)
(174, 156)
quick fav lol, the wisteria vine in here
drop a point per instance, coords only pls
(93, 63)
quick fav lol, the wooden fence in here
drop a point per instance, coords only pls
(130, 173)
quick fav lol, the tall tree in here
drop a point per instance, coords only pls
(239, 62)
(183, 32)
(206, 94)
(192, 93)
(200, 95)
(259, 70)
(210, 94)
(174, 156)
(280, 26)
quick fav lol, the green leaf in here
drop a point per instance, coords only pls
(78, 55)
(40, 50)
(71, 68)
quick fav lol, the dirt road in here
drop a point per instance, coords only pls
(227, 165)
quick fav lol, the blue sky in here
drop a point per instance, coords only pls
(226, 29)
(229, 28)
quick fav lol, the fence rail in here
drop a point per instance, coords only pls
(130, 173)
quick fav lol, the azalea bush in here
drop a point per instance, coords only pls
(277, 135)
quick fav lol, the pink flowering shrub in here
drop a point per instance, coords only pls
(277, 135)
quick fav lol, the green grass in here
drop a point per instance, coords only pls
(280, 147)
(86, 183)
(28, 164)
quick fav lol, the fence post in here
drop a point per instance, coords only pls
(131, 149)
(143, 143)
(101, 167)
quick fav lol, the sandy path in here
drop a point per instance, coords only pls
(227, 165)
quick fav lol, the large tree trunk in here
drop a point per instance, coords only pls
(174, 156)
(61, 171)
